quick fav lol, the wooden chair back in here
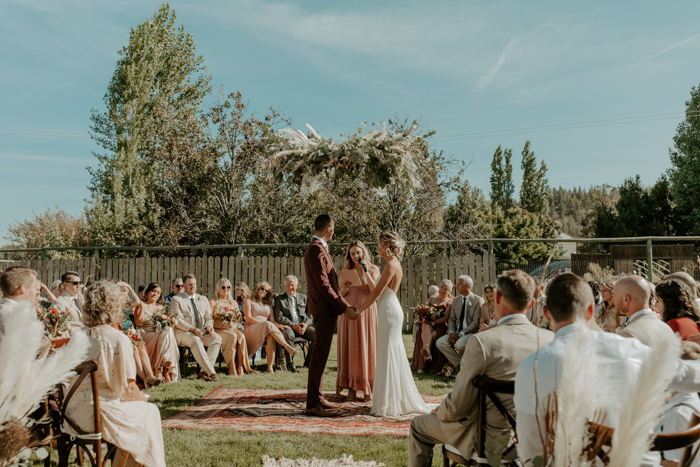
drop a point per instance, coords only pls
(602, 436)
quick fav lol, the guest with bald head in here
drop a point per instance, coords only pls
(631, 295)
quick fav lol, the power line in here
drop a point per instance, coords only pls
(565, 126)
(43, 133)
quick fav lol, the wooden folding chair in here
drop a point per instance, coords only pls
(488, 387)
(88, 443)
(602, 436)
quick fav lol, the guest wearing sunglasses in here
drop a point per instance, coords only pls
(228, 323)
(71, 301)
(177, 287)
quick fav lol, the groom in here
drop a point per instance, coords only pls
(325, 304)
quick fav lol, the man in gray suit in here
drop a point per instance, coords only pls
(463, 322)
(632, 295)
(290, 310)
(495, 353)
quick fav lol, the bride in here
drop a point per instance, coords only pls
(395, 392)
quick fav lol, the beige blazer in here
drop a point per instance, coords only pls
(64, 303)
(647, 329)
(181, 308)
(473, 314)
(496, 353)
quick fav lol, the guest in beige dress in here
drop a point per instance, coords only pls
(609, 319)
(128, 421)
(233, 343)
(160, 344)
(488, 318)
(261, 327)
(357, 340)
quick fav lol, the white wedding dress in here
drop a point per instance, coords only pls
(395, 392)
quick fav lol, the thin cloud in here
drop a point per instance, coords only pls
(486, 79)
(664, 51)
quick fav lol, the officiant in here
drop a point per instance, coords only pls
(290, 310)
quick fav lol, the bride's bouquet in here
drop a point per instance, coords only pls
(425, 313)
(160, 320)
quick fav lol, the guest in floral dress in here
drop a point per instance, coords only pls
(261, 327)
(357, 340)
(228, 323)
(151, 317)
(128, 421)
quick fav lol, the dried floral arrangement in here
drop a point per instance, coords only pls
(378, 157)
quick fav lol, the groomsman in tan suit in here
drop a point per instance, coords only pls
(632, 295)
(20, 285)
(195, 327)
(463, 321)
(71, 301)
(495, 353)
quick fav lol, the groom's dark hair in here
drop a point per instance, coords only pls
(321, 222)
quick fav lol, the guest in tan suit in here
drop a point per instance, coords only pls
(72, 300)
(631, 295)
(195, 327)
(463, 321)
(496, 354)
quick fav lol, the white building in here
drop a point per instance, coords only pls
(567, 248)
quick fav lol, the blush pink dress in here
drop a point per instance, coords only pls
(255, 333)
(357, 344)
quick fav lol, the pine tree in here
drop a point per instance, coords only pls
(502, 187)
(534, 191)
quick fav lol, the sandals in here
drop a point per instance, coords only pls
(426, 354)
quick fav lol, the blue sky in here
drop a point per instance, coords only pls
(463, 67)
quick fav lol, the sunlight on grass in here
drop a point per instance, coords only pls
(188, 448)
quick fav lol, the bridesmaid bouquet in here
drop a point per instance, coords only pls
(425, 313)
(55, 322)
(134, 336)
(229, 315)
(160, 320)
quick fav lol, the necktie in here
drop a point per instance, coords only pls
(463, 316)
(197, 318)
(78, 304)
(293, 309)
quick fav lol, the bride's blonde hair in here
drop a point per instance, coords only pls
(393, 243)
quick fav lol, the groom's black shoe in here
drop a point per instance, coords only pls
(320, 412)
(292, 368)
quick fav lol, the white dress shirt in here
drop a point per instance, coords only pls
(644, 311)
(677, 417)
(507, 317)
(618, 361)
(325, 245)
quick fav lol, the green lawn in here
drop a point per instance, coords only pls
(189, 448)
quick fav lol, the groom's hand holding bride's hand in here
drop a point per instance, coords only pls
(351, 313)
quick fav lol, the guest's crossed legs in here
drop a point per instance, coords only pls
(453, 353)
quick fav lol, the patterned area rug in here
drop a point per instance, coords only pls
(267, 410)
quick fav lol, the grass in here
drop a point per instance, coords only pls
(187, 448)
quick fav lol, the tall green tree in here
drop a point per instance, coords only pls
(534, 191)
(684, 173)
(502, 187)
(159, 70)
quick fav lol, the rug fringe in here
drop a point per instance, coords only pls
(345, 460)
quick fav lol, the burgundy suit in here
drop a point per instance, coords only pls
(325, 304)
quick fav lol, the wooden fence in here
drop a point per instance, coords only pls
(419, 272)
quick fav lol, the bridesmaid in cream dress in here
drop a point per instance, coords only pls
(160, 345)
(357, 340)
(128, 421)
(233, 344)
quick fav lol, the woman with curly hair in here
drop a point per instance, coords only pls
(261, 327)
(676, 302)
(128, 421)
